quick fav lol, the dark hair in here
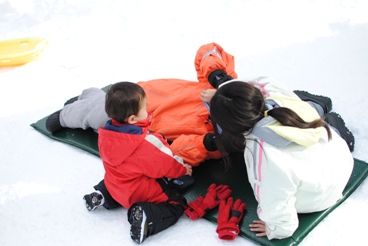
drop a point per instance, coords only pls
(123, 99)
(238, 106)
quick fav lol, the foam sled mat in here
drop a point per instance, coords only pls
(214, 172)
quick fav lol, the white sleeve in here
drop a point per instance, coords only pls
(276, 201)
(274, 89)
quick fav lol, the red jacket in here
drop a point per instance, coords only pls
(132, 164)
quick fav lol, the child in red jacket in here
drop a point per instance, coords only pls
(137, 164)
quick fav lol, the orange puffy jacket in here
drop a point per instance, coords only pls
(177, 110)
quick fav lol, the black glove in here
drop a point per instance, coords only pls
(209, 142)
(218, 77)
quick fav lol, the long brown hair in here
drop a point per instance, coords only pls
(236, 107)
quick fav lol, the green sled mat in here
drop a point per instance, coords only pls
(214, 172)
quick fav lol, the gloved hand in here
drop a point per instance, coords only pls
(229, 215)
(218, 77)
(209, 142)
(215, 193)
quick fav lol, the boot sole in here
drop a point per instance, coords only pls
(89, 203)
(138, 224)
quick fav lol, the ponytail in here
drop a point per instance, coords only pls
(288, 117)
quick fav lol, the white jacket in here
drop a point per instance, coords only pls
(297, 178)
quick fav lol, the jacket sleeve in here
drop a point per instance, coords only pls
(161, 161)
(190, 148)
(276, 195)
(211, 57)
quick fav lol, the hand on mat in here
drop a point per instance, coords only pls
(259, 227)
(229, 216)
(197, 208)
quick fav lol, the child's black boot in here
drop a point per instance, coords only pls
(53, 122)
(93, 200)
(147, 219)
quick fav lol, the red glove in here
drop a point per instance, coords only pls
(197, 208)
(229, 216)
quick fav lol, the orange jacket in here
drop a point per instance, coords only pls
(179, 114)
(177, 110)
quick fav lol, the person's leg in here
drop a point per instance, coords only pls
(182, 183)
(86, 112)
(322, 104)
(101, 197)
(336, 121)
(147, 219)
(53, 121)
(174, 188)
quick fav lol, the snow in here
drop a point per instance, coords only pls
(319, 46)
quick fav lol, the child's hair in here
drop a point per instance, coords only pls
(238, 106)
(123, 99)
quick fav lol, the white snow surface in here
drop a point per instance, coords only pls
(319, 46)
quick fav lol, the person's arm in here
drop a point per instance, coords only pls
(190, 148)
(276, 198)
(214, 65)
(160, 161)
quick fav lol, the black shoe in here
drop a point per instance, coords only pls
(93, 200)
(139, 226)
(71, 100)
(324, 102)
(147, 218)
(218, 77)
(53, 122)
(338, 123)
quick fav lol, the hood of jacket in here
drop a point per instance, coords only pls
(115, 147)
(287, 134)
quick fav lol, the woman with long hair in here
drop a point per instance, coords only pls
(296, 161)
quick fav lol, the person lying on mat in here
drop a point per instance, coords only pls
(137, 163)
(297, 161)
(177, 111)
(175, 105)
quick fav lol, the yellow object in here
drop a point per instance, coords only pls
(305, 137)
(16, 52)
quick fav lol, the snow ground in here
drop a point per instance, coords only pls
(320, 46)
